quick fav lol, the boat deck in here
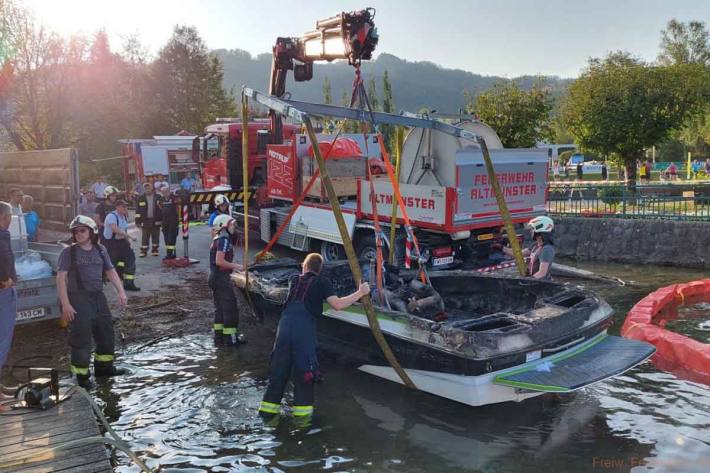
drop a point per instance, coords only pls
(28, 432)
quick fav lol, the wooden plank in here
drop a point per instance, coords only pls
(65, 408)
(94, 459)
(33, 432)
(39, 443)
(11, 434)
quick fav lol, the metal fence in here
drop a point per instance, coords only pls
(665, 202)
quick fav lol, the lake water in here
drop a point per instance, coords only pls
(189, 407)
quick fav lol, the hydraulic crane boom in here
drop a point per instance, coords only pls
(352, 36)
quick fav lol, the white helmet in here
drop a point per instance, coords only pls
(110, 190)
(84, 221)
(222, 222)
(542, 224)
(221, 199)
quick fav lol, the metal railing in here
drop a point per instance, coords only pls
(685, 203)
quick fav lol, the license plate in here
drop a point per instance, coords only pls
(31, 313)
(444, 260)
(485, 236)
(532, 355)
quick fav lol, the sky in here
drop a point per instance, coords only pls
(506, 38)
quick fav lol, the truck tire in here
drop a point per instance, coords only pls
(332, 251)
(366, 248)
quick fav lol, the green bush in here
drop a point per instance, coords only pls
(611, 195)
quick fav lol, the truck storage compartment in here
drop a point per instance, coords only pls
(345, 164)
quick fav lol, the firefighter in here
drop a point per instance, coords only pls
(542, 251)
(294, 351)
(118, 243)
(82, 268)
(104, 208)
(148, 218)
(226, 314)
(170, 220)
(222, 205)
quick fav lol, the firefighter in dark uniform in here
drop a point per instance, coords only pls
(149, 220)
(294, 352)
(222, 207)
(170, 215)
(82, 268)
(118, 243)
(104, 208)
(226, 313)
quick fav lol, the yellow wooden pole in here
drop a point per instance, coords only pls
(687, 167)
(399, 140)
(352, 259)
(503, 207)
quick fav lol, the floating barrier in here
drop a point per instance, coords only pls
(683, 356)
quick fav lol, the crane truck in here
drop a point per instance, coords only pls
(443, 180)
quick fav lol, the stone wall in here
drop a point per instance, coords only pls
(633, 241)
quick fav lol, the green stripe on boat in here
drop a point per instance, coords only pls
(359, 310)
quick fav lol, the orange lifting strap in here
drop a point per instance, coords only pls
(400, 202)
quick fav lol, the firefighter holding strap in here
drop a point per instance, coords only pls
(226, 313)
(295, 347)
(148, 219)
(80, 278)
(118, 243)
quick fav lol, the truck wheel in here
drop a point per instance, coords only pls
(332, 251)
(366, 248)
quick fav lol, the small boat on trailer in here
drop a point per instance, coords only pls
(476, 339)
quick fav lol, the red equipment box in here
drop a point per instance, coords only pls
(282, 181)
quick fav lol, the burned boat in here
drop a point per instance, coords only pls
(472, 338)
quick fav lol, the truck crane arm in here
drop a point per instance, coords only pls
(352, 36)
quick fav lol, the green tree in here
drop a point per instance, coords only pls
(521, 118)
(388, 131)
(372, 94)
(327, 93)
(620, 106)
(684, 43)
(188, 84)
(349, 126)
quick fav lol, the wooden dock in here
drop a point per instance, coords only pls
(31, 432)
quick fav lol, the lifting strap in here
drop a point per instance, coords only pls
(359, 97)
(407, 223)
(378, 233)
(360, 93)
(352, 259)
(399, 135)
(245, 186)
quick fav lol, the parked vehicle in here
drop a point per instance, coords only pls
(56, 204)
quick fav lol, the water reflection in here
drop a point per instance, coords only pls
(188, 407)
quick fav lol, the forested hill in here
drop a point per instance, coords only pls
(415, 85)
